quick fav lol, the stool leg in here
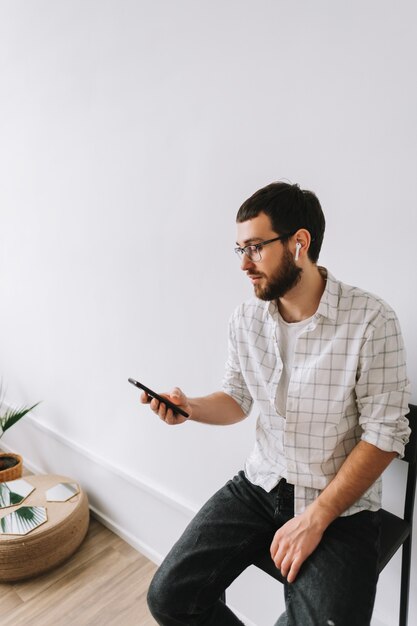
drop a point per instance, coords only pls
(405, 581)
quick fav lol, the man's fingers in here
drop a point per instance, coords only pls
(274, 546)
(284, 560)
(170, 417)
(279, 560)
(161, 409)
(278, 556)
(295, 568)
(289, 566)
(165, 413)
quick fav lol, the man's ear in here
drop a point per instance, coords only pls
(300, 243)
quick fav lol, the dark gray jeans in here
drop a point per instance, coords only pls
(336, 584)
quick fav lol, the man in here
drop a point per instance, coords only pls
(324, 363)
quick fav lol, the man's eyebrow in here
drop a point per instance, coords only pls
(251, 240)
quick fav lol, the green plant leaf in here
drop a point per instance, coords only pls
(14, 415)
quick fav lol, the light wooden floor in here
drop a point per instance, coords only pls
(103, 584)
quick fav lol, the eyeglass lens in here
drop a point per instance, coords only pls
(251, 252)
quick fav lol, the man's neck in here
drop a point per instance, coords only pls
(303, 300)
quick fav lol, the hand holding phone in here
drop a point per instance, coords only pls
(152, 394)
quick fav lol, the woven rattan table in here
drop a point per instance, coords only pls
(51, 543)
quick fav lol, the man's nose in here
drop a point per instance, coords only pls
(246, 263)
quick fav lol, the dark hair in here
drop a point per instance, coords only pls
(289, 208)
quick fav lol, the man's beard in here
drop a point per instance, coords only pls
(285, 278)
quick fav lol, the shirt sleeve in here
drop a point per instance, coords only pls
(233, 381)
(382, 388)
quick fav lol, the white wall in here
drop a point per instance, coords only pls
(130, 133)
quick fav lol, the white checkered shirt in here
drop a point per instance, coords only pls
(348, 382)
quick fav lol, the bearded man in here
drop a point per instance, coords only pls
(324, 362)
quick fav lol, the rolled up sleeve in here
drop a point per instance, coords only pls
(382, 388)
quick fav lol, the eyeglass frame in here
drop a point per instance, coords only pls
(258, 246)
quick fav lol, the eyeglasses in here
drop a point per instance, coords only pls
(253, 251)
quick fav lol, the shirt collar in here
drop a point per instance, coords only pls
(329, 301)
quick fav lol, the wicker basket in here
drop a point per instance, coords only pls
(12, 472)
(51, 543)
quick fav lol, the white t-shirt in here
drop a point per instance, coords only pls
(288, 334)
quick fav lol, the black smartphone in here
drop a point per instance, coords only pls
(155, 395)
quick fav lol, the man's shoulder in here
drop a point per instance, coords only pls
(359, 302)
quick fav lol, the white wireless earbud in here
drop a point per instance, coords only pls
(298, 247)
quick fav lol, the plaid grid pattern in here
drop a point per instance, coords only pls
(348, 382)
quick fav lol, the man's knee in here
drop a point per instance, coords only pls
(160, 595)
